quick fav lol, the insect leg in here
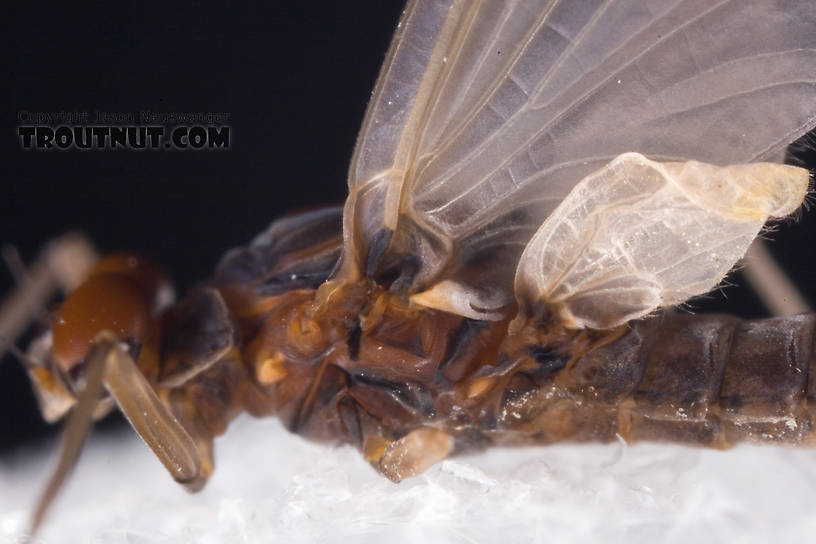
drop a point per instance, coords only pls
(76, 429)
(413, 454)
(15, 265)
(150, 418)
(110, 366)
(185, 410)
(773, 287)
(62, 265)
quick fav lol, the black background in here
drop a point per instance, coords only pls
(295, 78)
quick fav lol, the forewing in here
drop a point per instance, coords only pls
(486, 115)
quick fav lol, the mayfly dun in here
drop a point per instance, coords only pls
(533, 188)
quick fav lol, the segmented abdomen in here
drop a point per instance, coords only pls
(707, 380)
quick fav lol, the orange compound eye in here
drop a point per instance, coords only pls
(112, 302)
(150, 277)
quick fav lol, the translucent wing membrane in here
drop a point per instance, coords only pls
(487, 114)
(638, 234)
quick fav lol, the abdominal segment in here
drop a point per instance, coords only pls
(703, 380)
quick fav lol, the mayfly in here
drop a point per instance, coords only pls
(533, 185)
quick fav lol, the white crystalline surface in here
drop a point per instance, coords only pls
(270, 486)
